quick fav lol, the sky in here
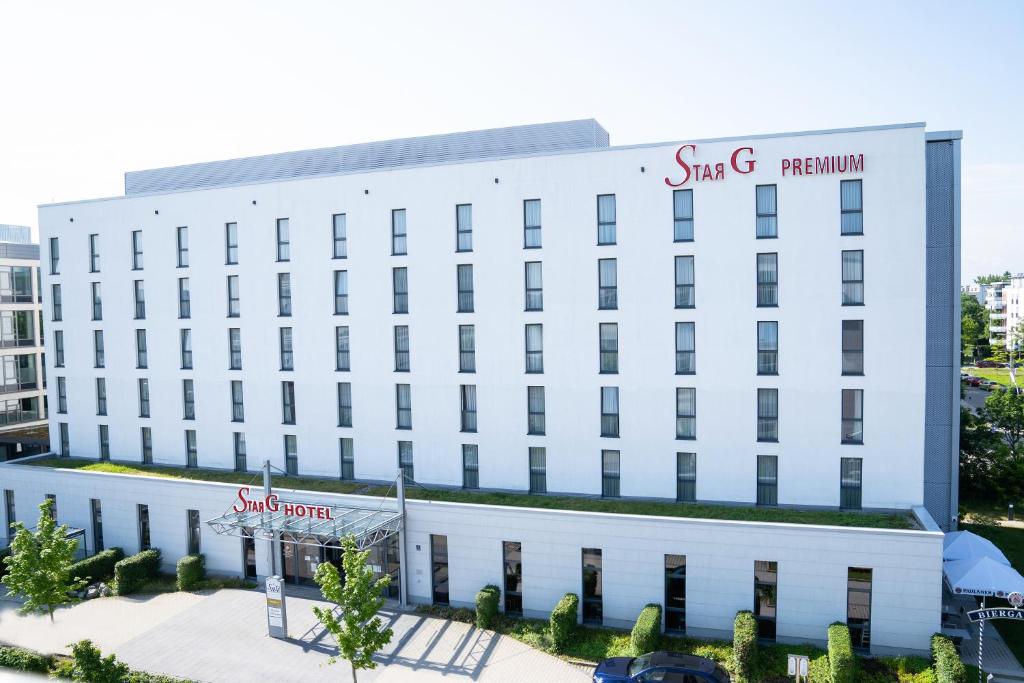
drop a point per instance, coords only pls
(89, 90)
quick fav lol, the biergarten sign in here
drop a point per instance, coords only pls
(1013, 612)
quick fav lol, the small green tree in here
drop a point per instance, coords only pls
(357, 629)
(87, 664)
(39, 566)
(1005, 411)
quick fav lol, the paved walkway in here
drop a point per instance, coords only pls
(221, 637)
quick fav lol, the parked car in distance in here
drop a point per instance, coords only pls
(989, 384)
(660, 667)
(973, 381)
(990, 364)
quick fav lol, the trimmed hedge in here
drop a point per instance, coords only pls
(132, 572)
(487, 606)
(842, 663)
(948, 666)
(744, 646)
(24, 660)
(564, 619)
(191, 572)
(647, 631)
(99, 567)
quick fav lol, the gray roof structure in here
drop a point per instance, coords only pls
(15, 234)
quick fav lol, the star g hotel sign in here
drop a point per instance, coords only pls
(743, 161)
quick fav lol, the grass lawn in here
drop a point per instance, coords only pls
(585, 504)
(999, 375)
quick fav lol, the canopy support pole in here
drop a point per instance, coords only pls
(274, 538)
(403, 566)
(981, 640)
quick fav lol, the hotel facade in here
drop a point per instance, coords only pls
(754, 321)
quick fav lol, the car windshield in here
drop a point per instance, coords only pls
(639, 664)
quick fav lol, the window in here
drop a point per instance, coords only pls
(56, 306)
(287, 355)
(534, 286)
(340, 293)
(853, 347)
(143, 397)
(512, 559)
(284, 293)
(234, 303)
(686, 353)
(288, 403)
(610, 411)
(531, 224)
(858, 607)
(607, 288)
(62, 395)
(191, 453)
(344, 404)
(58, 349)
(398, 242)
(141, 356)
(348, 459)
(767, 480)
(403, 403)
(284, 243)
(684, 282)
(193, 532)
(400, 290)
(538, 469)
(339, 228)
(188, 392)
(182, 246)
(767, 279)
(675, 593)
(851, 218)
(853, 416)
(231, 243)
(465, 286)
(17, 328)
(853, 278)
(535, 416)
(341, 347)
(237, 402)
(682, 214)
(439, 569)
(850, 483)
(405, 461)
(140, 300)
(54, 256)
(534, 348)
(470, 466)
(94, 253)
(96, 511)
(592, 587)
(291, 454)
(101, 396)
(9, 509)
(766, 579)
(234, 348)
(136, 250)
(609, 474)
(239, 442)
(98, 355)
(606, 219)
(97, 302)
(142, 512)
(767, 414)
(767, 219)
(468, 406)
(686, 413)
(184, 299)
(65, 440)
(686, 477)
(16, 284)
(467, 348)
(768, 348)
(464, 227)
(401, 348)
(608, 348)
(147, 445)
(186, 349)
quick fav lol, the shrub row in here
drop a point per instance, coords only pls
(948, 666)
(99, 567)
(131, 573)
(647, 631)
(487, 606)
(24, 660)
(564, 620)
(744, 646)
(191, 572)
(842, 663)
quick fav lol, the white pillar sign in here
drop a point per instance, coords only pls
(277, 617)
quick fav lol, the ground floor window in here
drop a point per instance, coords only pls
(439, 569)
(512, 552)
(348, 458)
(593, 602)
(675, 592)
(143, 518)
(765, 593)
(858, 606)
(249, 553)
(9, 511)
(194, 538)
(97, 525)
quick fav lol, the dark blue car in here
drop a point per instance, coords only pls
(660, 667)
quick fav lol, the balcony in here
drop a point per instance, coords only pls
(997, 329)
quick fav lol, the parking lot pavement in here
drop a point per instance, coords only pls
(974, 398)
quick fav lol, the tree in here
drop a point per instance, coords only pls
(974, 323)
(989, 279)
(88, 664)
(39, 566)
(356, 628)
(1005, 411)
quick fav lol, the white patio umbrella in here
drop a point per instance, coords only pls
(965, 545)
(982, 576)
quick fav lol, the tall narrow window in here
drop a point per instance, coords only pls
(141, 354)
(234, 348)
(534, 348)
(767, 480)
(65, 440)
(534, 286)
(237, 402)
(101, 396)
(610, 411)
(685, 295)
(593, 589)
(606, 219)
(512, 558)
(339, 229)
(344, 404)
(767, 414)
(398, 236)
(766, 580)
(182, 238)
(54, 256)
(234, 302)
(288, 403)
(538, 469)
(853, 347)
(147, 445)
(465, 287)
(97, 302)
(609, 474)
(686, 477)
(191, 450)
(853, 416)
(607, 284)
(403, 406)
(535, 413)
(58, 349)
(858, 607)
(682, 214)
(96, 510)
(686, 350)
(136, 250)
(104, 434)
(853, 278)
(405, 463)
(675, 593)
(143, 397)
(467, 394)
(284, 240)
(284, 294)
(194, 542)
(851, 208)
(850, 483)
(341, 292)
(94, 253)
(531, 224)
(287, 352)
(767, 279)
(686, 413)
(143, 520)
(62, 395)
(767, 348)
(400, 290)
(470, 466)
(56, 305)
(439, 569)
(348, 459)
(608, 347)
(98, 354)
(341, 348)
(186, 349)
(184, 298)
(291, 454)
(467, 348)
(140, 300)
(401, 348)
(464, 227)
(767, 218)
(231, 243)
(188, 394)
(240, 455)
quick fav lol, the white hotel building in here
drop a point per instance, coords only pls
(532, 310)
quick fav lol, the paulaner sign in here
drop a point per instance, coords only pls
(272, 503)
(743, 161)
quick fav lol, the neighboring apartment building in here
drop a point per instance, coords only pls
(532, 310)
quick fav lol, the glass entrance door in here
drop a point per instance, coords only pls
(299, 561)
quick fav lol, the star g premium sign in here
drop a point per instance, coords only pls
(743, 161)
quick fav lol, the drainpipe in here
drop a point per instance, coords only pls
(403, 571)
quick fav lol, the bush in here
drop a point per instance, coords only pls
(191, 572)
(744, 646)
(842, 663)
(487, 606)
(24, 660)
(99, 567)
(948, 666)
(818, 671)
(88, 664)
(132, 572)
(647, 630)
(564, 620)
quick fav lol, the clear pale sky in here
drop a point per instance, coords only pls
(89, 90)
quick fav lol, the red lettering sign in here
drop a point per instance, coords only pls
(742, 161)
(272, 503)
(837, 163)
(700, 172)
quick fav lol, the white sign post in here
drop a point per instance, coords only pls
(797, 666)
(277, 615)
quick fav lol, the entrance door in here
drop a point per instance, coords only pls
(299, 561)
(249, 554)
(439, 571)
